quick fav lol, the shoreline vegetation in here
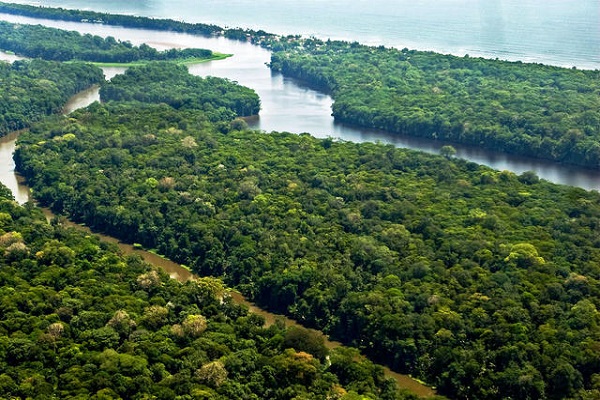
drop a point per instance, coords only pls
(482, 283)
(184, 61)
(167, 83)
(36, 41)
(81, 320)
(527, 109)
(530, 110)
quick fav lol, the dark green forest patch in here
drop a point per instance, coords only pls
(527, 109)
(164, 82)
(30, 90)
(483, 283)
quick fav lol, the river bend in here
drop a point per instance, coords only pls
(287, 105)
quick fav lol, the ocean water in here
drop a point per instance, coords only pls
(288, 106)
(557, 32)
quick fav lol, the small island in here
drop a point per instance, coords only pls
(36, 41)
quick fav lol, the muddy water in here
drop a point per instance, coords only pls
(22, 194)
(176, 271)
(82, 99)
(289, 106)
(8, 177)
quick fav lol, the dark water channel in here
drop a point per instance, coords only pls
(286, 106)
(289, 106)
(22, 194)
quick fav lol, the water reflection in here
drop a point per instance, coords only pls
(82, 99)
(8, 177)
(287, 105)
(9, 57)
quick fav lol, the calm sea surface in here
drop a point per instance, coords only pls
(558, 32)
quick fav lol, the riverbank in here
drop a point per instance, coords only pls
(512, 107)
(182, 274)
(8, 176)
(464, 261)
(183, 61)
(287, 105)
(82, 320)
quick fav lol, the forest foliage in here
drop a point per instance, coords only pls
(79, 320)
(482, 283)
(32, 89)
(163, 82)
(133, 21)
(37, 41)
(527, 109)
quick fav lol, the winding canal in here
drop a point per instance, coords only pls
(286, 106)
(289, 106)
(22, 194)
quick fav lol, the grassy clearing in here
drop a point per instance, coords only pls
(183, 61)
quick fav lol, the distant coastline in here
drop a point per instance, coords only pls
(131, 21)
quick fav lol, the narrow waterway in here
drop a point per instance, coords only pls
(176, 271)
(22, 194)
(289, 106)
(8, 176)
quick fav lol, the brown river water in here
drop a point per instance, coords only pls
(287, 105)
(22, 194)
(176, 271)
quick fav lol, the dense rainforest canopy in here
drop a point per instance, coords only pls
(528, 109)
(132, 21)
(80, 321)
(32, 89)
(163, 82)
(483, 283)
(37, 41)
